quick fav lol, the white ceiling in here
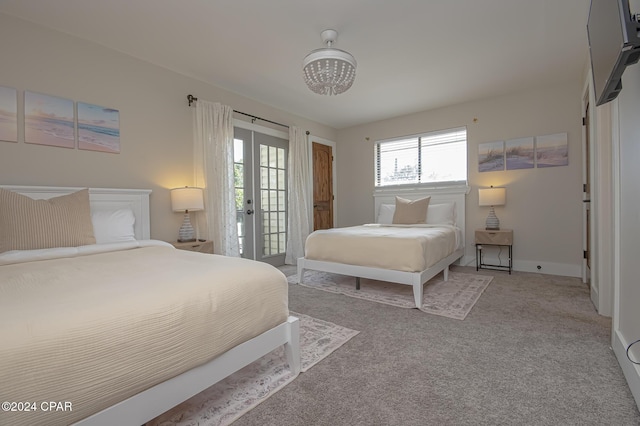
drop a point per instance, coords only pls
(413, 55)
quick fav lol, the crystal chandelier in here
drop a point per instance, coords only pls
(329, 71)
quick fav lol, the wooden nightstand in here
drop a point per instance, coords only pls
(199, 246)
(501, 237)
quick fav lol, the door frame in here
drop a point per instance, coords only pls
(260, 129)
(602, 139)
(588, 265)
(334, 168)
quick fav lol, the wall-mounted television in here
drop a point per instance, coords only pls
(614, 43)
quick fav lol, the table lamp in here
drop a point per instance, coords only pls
(492, 197)
(184, 200)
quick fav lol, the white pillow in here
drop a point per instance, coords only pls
(385, 213)
(441, 214)
(113, 226)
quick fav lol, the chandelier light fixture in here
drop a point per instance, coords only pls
(329, 71)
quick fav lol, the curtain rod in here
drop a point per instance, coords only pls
(192, 99)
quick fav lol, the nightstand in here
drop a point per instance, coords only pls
(199, 246)
(500, 238)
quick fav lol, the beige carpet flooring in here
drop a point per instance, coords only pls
(229, 399)
(532, 351)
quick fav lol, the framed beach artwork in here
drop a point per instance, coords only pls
(520, 153)
(552, 150)
(8, 114)
(98, 128)
(491, 156)
(48, 120)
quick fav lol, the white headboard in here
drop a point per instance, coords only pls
(438, 195)
(136, 200)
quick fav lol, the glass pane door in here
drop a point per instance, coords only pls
(243, 178)
(260, 166)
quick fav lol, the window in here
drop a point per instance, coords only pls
(425, 159)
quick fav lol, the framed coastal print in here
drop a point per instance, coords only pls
(552, 150)
(98, 128)
(48, 120)
(491, 156)
(520, 154)
(8, 114)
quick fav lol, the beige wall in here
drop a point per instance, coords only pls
(543, 205)
(155, 121)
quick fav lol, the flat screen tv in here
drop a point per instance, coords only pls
(614, 43)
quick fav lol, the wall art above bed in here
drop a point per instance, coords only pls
(524, 153)
(552, 150)
(49, 120)
(98, 128)
(55, 121)
(491, 156)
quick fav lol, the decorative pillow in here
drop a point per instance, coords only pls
(385, 213)
(441, 214)
(28, 224)
(113, 226)
(410, 212)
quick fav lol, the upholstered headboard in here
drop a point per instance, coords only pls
(137, 200)
(438, 196)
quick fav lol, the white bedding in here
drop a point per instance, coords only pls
(21, 256)
(95, 325)
(409, 248)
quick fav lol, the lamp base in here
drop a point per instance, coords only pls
(492, 223)
(186, 234)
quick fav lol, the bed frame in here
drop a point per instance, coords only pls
(414, 279)
(154, 401)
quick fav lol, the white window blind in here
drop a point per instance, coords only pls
(434, 157)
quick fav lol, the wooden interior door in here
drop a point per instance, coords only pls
(322, 186)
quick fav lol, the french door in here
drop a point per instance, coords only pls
(260, 171)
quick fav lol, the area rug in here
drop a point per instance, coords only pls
(453, 298)
(229, 399)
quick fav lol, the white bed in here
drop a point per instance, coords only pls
(161, 396)
(417, 278)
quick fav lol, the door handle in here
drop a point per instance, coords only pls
(315, 205)
(249, 211)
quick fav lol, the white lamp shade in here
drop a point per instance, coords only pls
(187, 198)
(492, 196)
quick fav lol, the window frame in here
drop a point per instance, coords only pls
(419, 185)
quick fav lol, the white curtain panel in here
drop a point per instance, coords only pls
(213, 161)
(300, 195)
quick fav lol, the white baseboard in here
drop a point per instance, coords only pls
(466, 260)
(631, 371)
(562, 269)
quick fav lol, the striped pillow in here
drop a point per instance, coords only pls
(27, 224)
